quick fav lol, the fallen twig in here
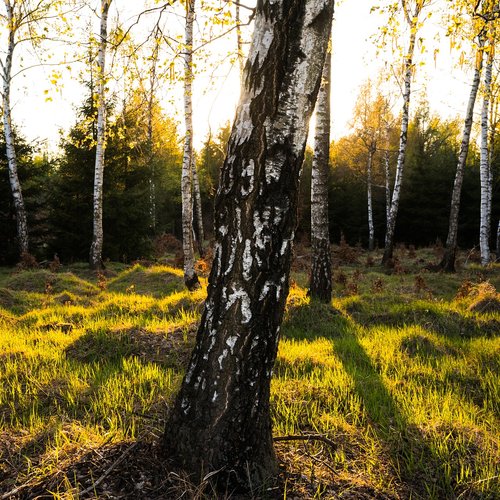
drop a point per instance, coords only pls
(307, 437)
(108, 471)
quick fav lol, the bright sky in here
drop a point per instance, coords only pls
(216, 91)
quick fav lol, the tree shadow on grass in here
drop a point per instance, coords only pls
(411, 457)
(410, 453)
(399, 312)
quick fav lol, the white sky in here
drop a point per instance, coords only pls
(354, 60)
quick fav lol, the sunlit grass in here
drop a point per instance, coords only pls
(402, 375)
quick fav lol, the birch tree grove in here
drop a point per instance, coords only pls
(412, 19)
(97, 232)
(221, 422)
(320, 285)
(190, 276)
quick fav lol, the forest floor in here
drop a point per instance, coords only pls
(400, 374)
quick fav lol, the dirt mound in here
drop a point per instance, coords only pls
(419, 345)
(489, 304)
(44, 281)
(156, 281)
(170, 349)
(7, 299)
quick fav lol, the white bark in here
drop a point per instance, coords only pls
(485, 168)
(200, 234)
(391, 222)
(152, 83)
(387, 174)
(321, 273)
(448, 261)
(371, 226)
(6, 66)
(97, 233)
(190, 277)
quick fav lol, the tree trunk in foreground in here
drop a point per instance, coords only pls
(190, 276)
(403, 138)
(447, 263)
(97, 233)
(320, 286)
(220, 422)
(485, 167)
(15, 185)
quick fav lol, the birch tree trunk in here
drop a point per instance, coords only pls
(200, 234)
(403, 138)
(221, 422)
(387, 173)
(190, 276)
(151, 150)
(448, 261)
(485, 167)
(498, 242)
(320, 285)
(17, 195)
(97, 232)
(371, 227)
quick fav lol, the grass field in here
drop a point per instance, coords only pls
(400, 375)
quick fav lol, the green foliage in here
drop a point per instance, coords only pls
(132, 167)
(34, 174)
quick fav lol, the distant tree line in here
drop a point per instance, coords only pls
(58, 190)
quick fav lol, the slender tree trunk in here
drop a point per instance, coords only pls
(485, 167)
(320, 286)
(239, 40)
(221, 421)
(190, 276)
(403, 138)
(200, 234)
(97, 234)
(498, 242)
(371, 226)
(387, 171)
(17, 195)
(151, 151)
(447, 263)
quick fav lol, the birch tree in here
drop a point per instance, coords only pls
(412, 11)
(448, 261)
(485, 165)
(190, 276)
(151, 102)
(489, 120)
(23, 21)
(199, 232)
(97, 230)
(372, 120)
(220, 422)
(482, 15)
(320, 285)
